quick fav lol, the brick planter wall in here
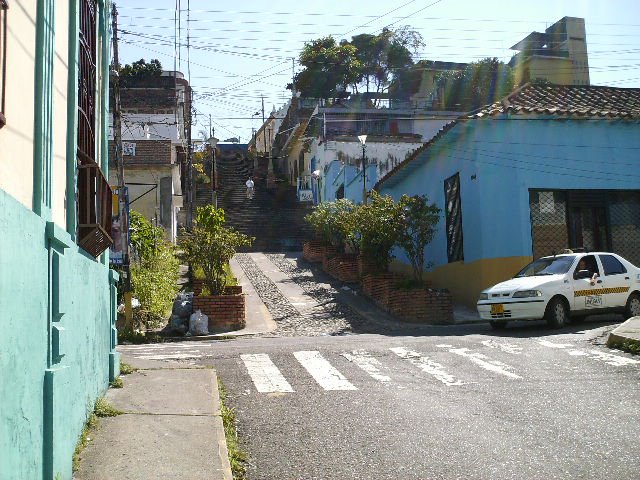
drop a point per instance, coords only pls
(378, 286)
(422, 305)
(347, 269)
(312, 251)
(328, 252)
(367, 267)
(225, 312)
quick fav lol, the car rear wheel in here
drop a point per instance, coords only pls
(557, 313)
(632, 309)
(497, 325)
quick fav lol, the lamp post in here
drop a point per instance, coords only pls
(363, 139)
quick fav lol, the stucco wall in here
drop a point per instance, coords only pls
(16, 176)
(499, 160)
(60, 83)
(83, 372)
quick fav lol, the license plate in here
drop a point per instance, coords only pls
(497, 308)
(593, 301)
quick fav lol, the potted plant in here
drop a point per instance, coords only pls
(209, 246)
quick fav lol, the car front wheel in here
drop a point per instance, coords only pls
(632, 308)
(498, 325)
(557, 313)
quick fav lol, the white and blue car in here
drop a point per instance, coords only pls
(560, 288)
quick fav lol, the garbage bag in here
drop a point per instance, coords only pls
(182, 307)
(198, 323)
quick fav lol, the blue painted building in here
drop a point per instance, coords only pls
(57, 293)
(546, 168)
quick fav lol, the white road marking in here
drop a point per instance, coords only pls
(265, 375)
(611, 359)
(168, 356)
(366, 362)
(322, 371)
(505, 347)
(546, 343)
(427, 365)
(485, 362)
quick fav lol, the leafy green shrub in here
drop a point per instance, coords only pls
(378, 225)
(417, 222)
(154, 272)
(210, 246)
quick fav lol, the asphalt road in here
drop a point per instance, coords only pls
(455, 402)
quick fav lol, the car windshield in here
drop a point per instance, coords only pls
(546, 266)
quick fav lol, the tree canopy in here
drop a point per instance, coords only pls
(140, 71)
(367, 61)
(481, 83)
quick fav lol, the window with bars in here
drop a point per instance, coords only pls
(4, 6)
(94, 193)
(453, 213)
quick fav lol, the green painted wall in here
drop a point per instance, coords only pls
(34, 445)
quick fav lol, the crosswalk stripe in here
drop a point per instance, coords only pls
(608, 358)
(547, 343)
(322, 371)
(485, 362)
(366, 362)
(265, 375)
(504, 347)
(427, 365)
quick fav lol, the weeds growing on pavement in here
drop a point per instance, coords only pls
(126, 369)
(629, 347)
(83, 441)
(117, 383)
(237, 456)
(103, 409)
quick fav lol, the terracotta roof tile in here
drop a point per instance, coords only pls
(580, 101)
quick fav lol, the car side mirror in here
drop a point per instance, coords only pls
(583, 274)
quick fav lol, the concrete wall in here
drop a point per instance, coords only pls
(498, 162)
(16, 177)
(57, 350)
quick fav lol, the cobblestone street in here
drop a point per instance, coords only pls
(324, 313)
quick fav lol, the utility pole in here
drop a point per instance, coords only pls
(214, 176)
(264, 136)
(190, 195)
(122, 199)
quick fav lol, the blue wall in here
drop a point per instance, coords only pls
(507, 158)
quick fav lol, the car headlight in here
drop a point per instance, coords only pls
(483, 296)
(527, 293)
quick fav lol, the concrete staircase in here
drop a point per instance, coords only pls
(274, 216)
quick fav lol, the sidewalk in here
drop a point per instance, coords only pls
(171, 427)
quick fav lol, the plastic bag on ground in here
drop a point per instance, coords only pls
(198, 323)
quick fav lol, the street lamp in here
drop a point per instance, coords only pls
(363, 139)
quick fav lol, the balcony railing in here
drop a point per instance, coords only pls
(94, 210)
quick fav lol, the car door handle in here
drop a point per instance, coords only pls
(626, 278)
(599, 281)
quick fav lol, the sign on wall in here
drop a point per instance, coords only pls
(129, 149)
(305, 195)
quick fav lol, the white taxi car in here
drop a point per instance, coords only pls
(560, 287)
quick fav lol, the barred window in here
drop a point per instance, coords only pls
(4, 6)
(94, 193)
(453, 213)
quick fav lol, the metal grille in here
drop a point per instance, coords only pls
(591, 219)
(453, 213)
(87, 82)
(94, 193)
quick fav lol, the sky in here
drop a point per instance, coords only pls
(239, 55)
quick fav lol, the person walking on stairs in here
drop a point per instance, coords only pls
(250, 187)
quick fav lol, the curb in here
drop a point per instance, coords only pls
(626, 333)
